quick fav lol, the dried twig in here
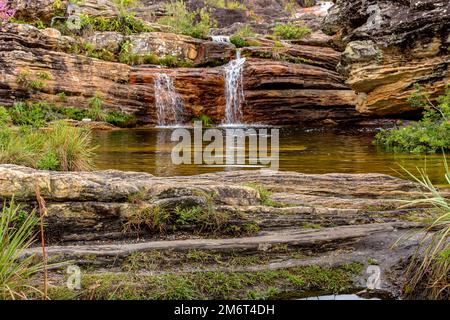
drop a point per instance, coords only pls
(43, 214)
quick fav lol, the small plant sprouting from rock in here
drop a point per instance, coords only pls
(33, 81)
(240, 37)
(429, 269)
(264, 195)
(192, 23)
(154, 218)
(95, 111)
(429, 135)
(17, 233)
(291, 31)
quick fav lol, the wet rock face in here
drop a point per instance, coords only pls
(298, 93)
(388, 47)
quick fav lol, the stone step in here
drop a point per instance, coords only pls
(317, 240)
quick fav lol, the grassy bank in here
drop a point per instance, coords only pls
(429, 135)
(59, 147)
(211, 285)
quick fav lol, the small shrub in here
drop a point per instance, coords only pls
(5, 118)
(62, 96)
(153, 218)
(195, 24)
(17, 233)
(206, 120)
(74, 113)
(126, 23)
(32, 114)
(188, 215)
(95, 111)
(428, 135)
(61, 147)
(72, 147)
(291, 31)
(238, 38)
(264, 194)
(121, 119)
(48, 162)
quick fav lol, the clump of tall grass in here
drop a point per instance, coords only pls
(183, 21)
(17, 233)
(60, 147)
(429, 270)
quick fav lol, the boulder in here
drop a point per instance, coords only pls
(186, 48)
(43, 10)
(110, 41)
(389, 46)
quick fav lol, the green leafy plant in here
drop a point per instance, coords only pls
(429, 270)
(5, 118)
(95, 111)
(61, 147)
(17, 233)
(206, 120)
(429, 135)
(32, 114)
(121, 119)
(192, 23)
(239, 37)
(126, 23)
(291, 31)
(188, 215)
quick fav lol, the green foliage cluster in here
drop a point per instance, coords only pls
(126, 23)
(429, 270)
(17, 233)
(125, 56)
(192, 23)
(33, 81)
(239, 37)
(291, 31)
(205, 120)
(266, 284)
(60, 147)
(230, 4)
(430, 134)
(39, 114)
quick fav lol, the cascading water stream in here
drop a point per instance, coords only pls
(234, 90)
(234, 85)
(221, 39)
(169, 104)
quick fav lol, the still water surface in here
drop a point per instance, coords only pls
(307, 151)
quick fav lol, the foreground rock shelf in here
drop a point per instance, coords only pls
(308, 221)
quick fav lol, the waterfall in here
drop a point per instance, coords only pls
(234, 89)
(169, 104)
(221, 39)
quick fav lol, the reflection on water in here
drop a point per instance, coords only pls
(317, 151)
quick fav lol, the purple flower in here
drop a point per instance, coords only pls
(5, 12)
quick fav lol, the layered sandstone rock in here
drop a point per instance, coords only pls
(96, 205)
(297, 92)
(389, 46)
(186, 48)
